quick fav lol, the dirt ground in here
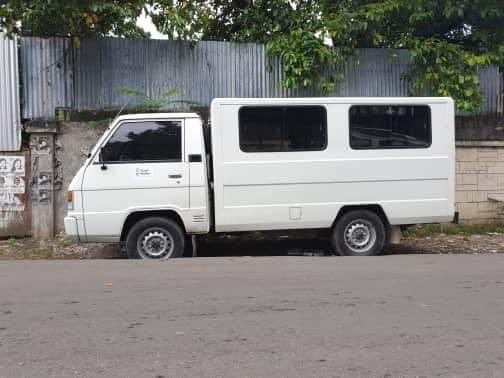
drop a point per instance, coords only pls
(62, 248)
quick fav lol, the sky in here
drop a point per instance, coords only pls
(145, 23)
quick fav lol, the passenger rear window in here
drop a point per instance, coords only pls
(390, 126)
(145, 141)
(282, 128)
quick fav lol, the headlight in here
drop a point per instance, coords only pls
(70, 200)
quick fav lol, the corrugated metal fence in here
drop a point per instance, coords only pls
(57, 73)
(47, 75)
(10, 125)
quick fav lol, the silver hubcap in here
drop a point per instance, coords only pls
(155, 243)
(360, 236)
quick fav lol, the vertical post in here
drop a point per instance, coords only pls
(42, 145)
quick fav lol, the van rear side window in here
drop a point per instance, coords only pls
(282, 128)
(390, 126)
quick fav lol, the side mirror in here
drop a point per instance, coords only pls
(100, 158)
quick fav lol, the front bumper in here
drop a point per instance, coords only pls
(71, 228)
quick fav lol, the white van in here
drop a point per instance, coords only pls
(357, 167)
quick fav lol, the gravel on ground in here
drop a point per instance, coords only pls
(62, 248)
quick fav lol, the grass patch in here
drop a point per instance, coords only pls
(425, 230)
(12, 242)
(64, 242)
(99, 124)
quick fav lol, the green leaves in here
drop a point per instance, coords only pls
(72, 18)
(147, 102)
(446, 70)
(304, 57)
(449, 40)
(293, 31)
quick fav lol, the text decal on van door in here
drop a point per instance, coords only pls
(143, 172)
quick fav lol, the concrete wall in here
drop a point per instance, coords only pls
(480, 182)
(480, 173)
(75, 140)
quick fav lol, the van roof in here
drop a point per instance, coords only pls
(156, 116)
(332, 100)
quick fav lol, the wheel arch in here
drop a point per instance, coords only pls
(136, 216)
(375, 208)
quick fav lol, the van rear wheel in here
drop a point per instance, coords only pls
(359, 233)
(155, 238)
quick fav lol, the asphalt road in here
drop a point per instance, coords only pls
(418, 315)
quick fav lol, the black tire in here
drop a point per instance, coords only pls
(359, 233)
(152, 232)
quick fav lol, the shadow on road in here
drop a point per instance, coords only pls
(236, 246)
(265, 247)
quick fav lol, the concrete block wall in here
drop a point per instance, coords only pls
(76, 140)
(479, 181)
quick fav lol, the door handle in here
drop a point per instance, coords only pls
(175, 176)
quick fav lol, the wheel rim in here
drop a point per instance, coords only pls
(155, 243)
(360, 236)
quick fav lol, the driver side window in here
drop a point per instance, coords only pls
(145, 141)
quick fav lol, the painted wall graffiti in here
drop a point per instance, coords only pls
(12, 182)
(42, 167)
(12, 165)
(43, 180)
(41, 144)
(58, 165)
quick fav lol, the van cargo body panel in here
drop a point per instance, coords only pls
(255, 191)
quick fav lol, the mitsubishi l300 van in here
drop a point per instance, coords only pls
(358, 168)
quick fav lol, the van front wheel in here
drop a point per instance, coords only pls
(359, 233)
(155, 238)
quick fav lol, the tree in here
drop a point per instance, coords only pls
(448, 39)
(292, 30)
(72, 18)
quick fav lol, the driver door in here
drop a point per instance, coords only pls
(140, 167)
